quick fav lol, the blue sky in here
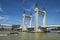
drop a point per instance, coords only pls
(11, 11)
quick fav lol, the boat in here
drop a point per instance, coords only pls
(14, 33)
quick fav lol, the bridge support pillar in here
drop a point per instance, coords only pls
(24, 27)
(36, 18)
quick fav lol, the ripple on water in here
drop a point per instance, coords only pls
(32, 36)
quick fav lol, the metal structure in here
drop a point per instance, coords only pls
(43, 13)
(24, 18)
(44, 27)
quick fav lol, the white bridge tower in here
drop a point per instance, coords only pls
(24, 28)
(43, 13)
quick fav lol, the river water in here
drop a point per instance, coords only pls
(32, 36)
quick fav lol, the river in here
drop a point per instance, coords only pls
(32, 36)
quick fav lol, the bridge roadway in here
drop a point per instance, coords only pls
(52, 26)
(43, 29)
(48, 26)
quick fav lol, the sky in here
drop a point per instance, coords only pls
(11, 11)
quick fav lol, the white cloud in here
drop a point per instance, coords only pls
(27, 9)
(1, 10)
(57, 10)
(31, 8)
(3, 18)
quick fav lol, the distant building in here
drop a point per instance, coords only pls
(9, 27)
(14, 27)
(5, 27)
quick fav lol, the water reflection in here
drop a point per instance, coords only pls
(33, 36)
(39, 36)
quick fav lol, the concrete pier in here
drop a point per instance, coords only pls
(44, 17)
(43, 13)
(36, 18)
(24, 28)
